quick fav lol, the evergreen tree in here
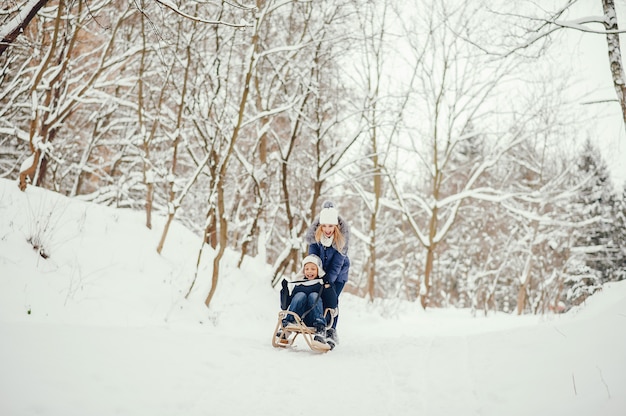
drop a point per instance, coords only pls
(594, 252)
(617, 242)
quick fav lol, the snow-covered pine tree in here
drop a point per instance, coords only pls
(593, 250)
(617, 243)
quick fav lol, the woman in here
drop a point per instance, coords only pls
(328, 238)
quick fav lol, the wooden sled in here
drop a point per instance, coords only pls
(298, 327)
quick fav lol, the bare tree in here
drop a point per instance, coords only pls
(53, 93)
(293, 117)
(374, 29)
(379, 123)
(175, 199)
(218, 21)
(252, 57)
(538, 26)
(455, 93)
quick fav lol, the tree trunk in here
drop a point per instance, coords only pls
(371, 270)
(430, 254)
(173, 203)
(615, 55)
(221, 176)
(521, 299)
(525, 278)
(20, 22)
(223, 240)
(425, 286)
(290, 260)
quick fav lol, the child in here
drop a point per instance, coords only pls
(306, 298)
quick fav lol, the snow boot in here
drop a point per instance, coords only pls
(320, 335)
(331, 337)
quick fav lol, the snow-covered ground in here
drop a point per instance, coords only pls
(101, 327)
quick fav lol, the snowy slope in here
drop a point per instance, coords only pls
(101, 327)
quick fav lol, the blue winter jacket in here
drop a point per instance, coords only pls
(332, 261)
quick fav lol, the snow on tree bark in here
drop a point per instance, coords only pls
(615, 53)
(11, 30)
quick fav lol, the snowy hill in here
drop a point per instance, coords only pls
(94, 322)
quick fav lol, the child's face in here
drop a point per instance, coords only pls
(328, 229)
(310, 271)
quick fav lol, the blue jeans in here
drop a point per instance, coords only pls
(301, 303)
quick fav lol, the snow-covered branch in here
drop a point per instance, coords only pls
(10, 30)
(242, 24)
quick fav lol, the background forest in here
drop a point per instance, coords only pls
(451, 135)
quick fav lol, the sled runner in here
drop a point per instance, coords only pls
(298, 327)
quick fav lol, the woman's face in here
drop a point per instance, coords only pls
(328, 229)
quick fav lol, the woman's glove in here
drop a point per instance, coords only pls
(285, 299)
(329, 297)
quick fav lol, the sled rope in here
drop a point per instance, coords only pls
(319, 295)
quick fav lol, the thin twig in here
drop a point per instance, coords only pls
(608, 392)
(172, 7)
(600, 101)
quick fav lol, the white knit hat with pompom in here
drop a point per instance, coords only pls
(329, 214)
